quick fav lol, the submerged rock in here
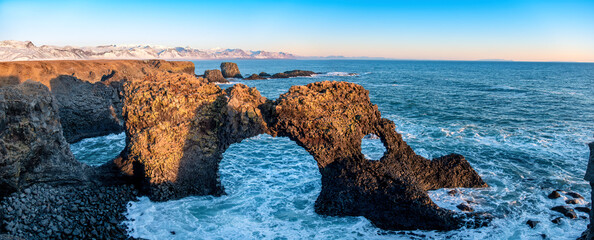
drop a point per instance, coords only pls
(464, 207)
(230, 70)
(32, 147)
(214, 76)
(532, 223)
(554, 195)
(566, 211)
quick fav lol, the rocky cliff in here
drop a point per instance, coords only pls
(88, 91)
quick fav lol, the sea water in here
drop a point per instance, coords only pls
(523, 126)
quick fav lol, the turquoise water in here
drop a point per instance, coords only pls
(522, 126)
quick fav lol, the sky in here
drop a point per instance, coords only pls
(520, 30)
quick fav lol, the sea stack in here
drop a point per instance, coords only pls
(230, 70)
(215, 76)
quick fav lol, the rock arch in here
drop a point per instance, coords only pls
(177, 128)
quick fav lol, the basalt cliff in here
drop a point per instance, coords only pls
(177, 128)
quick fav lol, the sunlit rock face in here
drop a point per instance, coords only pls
(230, 70)
(32, 147)
(177, 128)
(329, 119)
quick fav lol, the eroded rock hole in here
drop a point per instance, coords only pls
(98, 150)
(372, 147)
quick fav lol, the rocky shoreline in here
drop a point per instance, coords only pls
(177, 127)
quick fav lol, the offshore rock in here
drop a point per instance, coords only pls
(294, 73)
(177, 128)
(87, 109)
(214, 76)
(32, 148)
(329, 119)
(230, 70)
(255, 77)
(264, 75)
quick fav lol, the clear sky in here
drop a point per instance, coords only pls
(538, 30)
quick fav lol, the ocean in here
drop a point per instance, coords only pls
(523, 126)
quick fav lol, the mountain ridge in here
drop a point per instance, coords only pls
(11, 50)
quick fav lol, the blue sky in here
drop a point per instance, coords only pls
(454, 30)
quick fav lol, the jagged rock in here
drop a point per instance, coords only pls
(177, 129)
(89, 101)
(87, 109)
(575, 195)
(214, 76)
(230, 70)
(329, 119)
(532, 223)
(293, 73)
(255, 77)
(32, 148)
(264, 75)
(554, 195)
(572, 201)
(566, 211)
(464, 207)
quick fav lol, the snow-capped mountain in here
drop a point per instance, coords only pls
(26, 50)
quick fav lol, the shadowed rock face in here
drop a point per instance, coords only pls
(87, 109)
(293, 73)
(329, 119)
(214, 76)
(177, 129)
(88, 94)
(230, 70)
(32, 148)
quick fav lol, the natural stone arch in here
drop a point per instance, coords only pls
(178, 127)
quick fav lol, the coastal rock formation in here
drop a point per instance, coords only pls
(87, 109)
(214, 76)
(32, 148)
(589, 233)
(255, 77)
(329, 119)
(88, 100)
(264, 75)
(293, 73)
(177, 129)
(230, 70)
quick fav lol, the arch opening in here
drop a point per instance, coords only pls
(96, 151)
(372, 147)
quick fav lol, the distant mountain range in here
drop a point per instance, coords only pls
(26, 50)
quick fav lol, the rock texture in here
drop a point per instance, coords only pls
(32, 147)
(215, 76)
(329, 119)
(87, 109)
(88, 91)
(177, 129)
(230, 70)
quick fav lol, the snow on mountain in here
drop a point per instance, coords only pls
(26, 50)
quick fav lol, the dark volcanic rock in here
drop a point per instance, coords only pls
(566, 211)
(214, 76)
(230, 70)
(572, 201)
(554, 195)
(177, 129)
(532, 223)
(293, 73)
(87, 109)
(583, 209)
(575, 195)
(264, 75)
(32, 148)
(329, 119)
(464, 207)
(255, 77)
